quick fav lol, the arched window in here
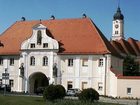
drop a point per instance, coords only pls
(45, 61)
(39, 37)
(32, 60)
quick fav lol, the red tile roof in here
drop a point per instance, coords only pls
(119, 75)
(118, 47)
(128, 47)
(76, 36)
(128, 77)
(116, 72)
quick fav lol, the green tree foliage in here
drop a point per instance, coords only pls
(130, 67)
(89, 95)
(53, 92)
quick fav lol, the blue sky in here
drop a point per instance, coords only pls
(100, 11)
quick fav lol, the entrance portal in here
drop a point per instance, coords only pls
(37, 82)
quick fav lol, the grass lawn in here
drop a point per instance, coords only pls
(27, 100)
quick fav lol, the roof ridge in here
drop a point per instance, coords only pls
(54, 19)
(8, 29)
(99, 34)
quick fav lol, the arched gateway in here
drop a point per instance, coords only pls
(37, 80)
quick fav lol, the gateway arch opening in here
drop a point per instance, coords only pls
(38, 81)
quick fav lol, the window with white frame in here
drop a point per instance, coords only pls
(129, 90)
(45, 45)
(101, 62)
(32, 45)
(100, 86)
(70, 62)
(32, 60)
(85, 62)
(11, 61)
(45, 61)
(84, 85)
(11, 83)
(69, 85)
(1, 61)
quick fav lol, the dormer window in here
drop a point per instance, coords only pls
(32, 45)
(39, 37)
(45, 45)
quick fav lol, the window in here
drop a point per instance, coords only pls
(11, 83)
(11, 61)
(116, 32)
(69, 85)
(85, 62)
(32, 45)
(70, 62)
(129, 91)
(84, 85)
(45, 61)
(100, 86)
(0, 82)
(45, 45)
(1, 61)
(100, 62)
(32, 61)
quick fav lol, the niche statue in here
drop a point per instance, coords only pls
(39, 37)
(21, 70)
(55, 70)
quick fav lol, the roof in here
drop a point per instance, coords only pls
(75, 36)
(116, 72)
(119, 75)
(128, 47)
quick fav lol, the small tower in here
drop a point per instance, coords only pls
(118, 25)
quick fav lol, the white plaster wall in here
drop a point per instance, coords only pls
(12, 70)
(92, 74)
(112, 91)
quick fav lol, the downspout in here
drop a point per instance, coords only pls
(105, 75)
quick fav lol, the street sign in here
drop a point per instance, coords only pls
(5, 75)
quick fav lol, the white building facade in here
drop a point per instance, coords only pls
(70, 52)
(40, 64)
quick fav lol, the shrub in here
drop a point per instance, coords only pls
(53, 92)
(89, 95)
(61, 91)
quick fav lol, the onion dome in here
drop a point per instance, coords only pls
(118, 15)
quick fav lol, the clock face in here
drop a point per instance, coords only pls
(116, 26)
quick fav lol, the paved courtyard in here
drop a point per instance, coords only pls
(120, 101)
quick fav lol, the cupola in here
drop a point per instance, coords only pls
(118, 15)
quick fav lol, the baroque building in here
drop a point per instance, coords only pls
(70, 52)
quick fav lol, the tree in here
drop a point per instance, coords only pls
(130, 67)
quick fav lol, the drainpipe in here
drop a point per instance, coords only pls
(105, 75)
